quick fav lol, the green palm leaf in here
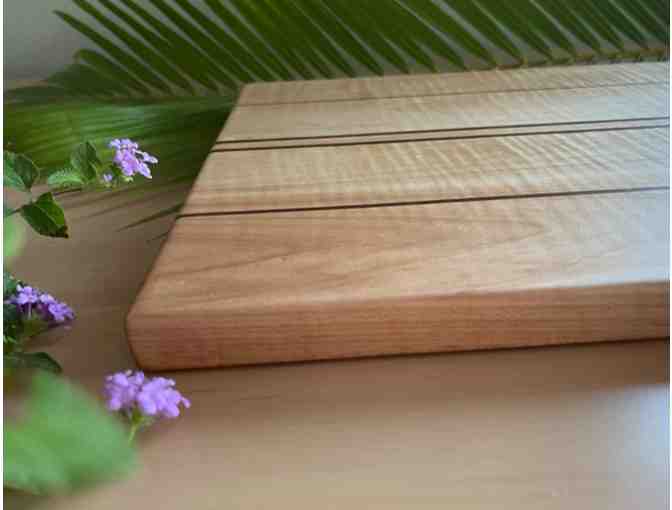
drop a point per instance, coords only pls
(241, 58)
(132, 64)
(517, 21)
(645, 19)
(570, 22)
(167, 74)
(332, 26)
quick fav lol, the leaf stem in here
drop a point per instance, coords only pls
(131, 434)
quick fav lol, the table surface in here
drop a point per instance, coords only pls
(581, 426)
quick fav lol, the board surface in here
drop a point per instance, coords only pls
(420, 214)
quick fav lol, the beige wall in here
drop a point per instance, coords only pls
(36, 41)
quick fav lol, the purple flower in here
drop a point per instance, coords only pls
(158, 397)
(25, 295)
(108, 177)
(121, 389)
(133, 393)
(130, 159)
(32, 303)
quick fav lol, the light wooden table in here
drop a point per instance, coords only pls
(576, 427)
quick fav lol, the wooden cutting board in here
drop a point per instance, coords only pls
(416, 214)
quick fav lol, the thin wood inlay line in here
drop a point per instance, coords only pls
(444, 112)
(368, 141)
(459, 93)
(425, 202)
(448, 130)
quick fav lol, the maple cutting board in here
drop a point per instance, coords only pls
(418, 214)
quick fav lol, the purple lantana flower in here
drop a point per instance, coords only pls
(33, 303)
(158, 397)
(143, 399)
(121, 390)
(130, 160)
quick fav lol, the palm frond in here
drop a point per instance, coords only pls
(167, 74)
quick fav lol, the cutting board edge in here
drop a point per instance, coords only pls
(615, 312)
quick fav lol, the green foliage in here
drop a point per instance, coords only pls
(19, 172)
(40, 360)
(12, 325)
(166, 75)
(9, 285)
(45, 216)
(85, 162)
(66, 178)
(83, 170)
(17, 329)
(63, 441)
(12, 235)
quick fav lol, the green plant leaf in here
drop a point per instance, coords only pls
(8, 342)
(145, 52)
(186, 54)
(9, 284)
(291, 28)
(33, 326)
(84, 160)
(480, 20)
(19, 171)
(13, 237)
(647, 20)
(212, 53)
(404, 31)
(313, 35)
(241, 61)
(126, 59)
(10, 178)
(11, 319)
(250, 39)
(566, 18)
(354, 16)
(108, 70)
(40, 360)
(509, 15)
(84, 81)
(273, 35)
(63, 441)
(45, 216)
(591, 14)
(66, 178)
(338, 32)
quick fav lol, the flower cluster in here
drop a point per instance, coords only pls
(33, 303)
(129, 160)
(137, 396)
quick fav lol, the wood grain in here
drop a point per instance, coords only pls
(420, 215)
(342, 283)
(423, 113)
(430, 170)
(578, 426)
(441, 134)
(414, 85)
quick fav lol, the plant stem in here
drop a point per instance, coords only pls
(134, 429)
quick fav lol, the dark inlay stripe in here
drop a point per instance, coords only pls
(486, 198)
(443, 138)
(441, 130)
